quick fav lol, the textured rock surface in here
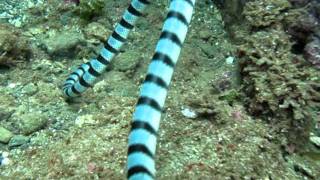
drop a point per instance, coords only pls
(5, 135)
(64, 44)
(14, 47)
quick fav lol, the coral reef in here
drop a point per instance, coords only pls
(279, 85)
(279, 54)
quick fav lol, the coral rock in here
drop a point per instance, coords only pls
(312, 52)
(14, 47)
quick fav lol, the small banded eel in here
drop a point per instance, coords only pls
(146, 118)
(86, 75)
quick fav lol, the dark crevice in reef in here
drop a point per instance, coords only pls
(298, 47)
(4, 68)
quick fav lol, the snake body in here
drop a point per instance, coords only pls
(146, 118)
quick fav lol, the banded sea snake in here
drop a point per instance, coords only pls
(146, 118)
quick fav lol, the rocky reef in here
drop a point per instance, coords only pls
(305, 30)
(278, 61)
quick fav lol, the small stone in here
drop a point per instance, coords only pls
(12, 85)
(5, 113)
(64, 44)
(4, 160)
(5, 135)
(36, 30)
(32, 122)
(96, 32)
(18, 140)
(208, 49)
(189, 113)
(205, 34)
(230, 60)
(16, 22)
(30, 89)
(87, 119)
(127, 61)
(315, 140)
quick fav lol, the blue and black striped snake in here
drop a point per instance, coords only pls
(146, 118)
